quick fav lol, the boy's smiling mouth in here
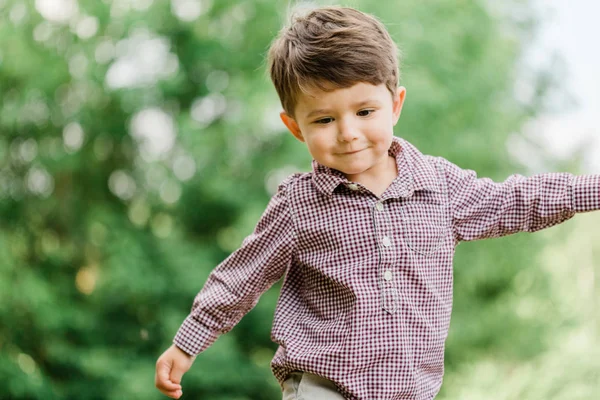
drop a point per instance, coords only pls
(348, 153)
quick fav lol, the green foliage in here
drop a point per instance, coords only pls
(138, 148)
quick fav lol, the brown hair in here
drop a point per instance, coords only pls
(330, 48)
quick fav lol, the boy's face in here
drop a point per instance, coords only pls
(348, 129)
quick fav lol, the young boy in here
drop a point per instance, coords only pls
(366, 240)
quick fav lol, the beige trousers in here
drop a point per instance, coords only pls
(304, 386)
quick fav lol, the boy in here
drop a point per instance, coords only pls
(366, 240)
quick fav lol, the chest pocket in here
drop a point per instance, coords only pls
(425, 222)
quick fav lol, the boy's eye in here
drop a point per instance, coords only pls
(364, 113)
(324, 120)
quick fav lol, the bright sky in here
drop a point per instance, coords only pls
(572, 27)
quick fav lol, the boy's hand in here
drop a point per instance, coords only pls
(170, 367)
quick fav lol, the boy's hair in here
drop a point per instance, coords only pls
(331, 48)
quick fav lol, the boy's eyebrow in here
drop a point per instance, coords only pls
(355, 105)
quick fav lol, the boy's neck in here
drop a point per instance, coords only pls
(380, 180)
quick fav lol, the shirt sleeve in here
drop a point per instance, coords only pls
(482, 208)
(234, 286)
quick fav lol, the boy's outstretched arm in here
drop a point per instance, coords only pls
(170, 367)
(482, 208)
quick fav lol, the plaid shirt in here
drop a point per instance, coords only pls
(367, 294)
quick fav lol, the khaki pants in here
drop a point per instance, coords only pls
(304, 386)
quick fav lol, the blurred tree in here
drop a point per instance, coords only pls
(139, 144)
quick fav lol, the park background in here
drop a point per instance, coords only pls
(140, 143)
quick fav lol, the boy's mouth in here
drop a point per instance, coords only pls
(347, 153)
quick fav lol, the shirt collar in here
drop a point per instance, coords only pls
(421, 168)
(414, 173)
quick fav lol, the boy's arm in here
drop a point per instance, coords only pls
(482, 208)
(234, 287)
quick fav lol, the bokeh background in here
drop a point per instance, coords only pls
(140, 142)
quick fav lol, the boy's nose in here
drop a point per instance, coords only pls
(347, 132)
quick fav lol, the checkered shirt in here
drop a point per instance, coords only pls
(367, 294)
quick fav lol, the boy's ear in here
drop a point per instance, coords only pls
(292, 125)
(398, 103)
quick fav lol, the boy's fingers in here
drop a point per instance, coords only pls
(163, 381)
(175, 394)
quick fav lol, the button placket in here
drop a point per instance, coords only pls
(389, 293)
(389, 299)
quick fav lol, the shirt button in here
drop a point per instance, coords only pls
(352, 186)
(386, 241)
(387, 275)
(379, 206)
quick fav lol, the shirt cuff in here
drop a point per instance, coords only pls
(586, 193)
(193, 338)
